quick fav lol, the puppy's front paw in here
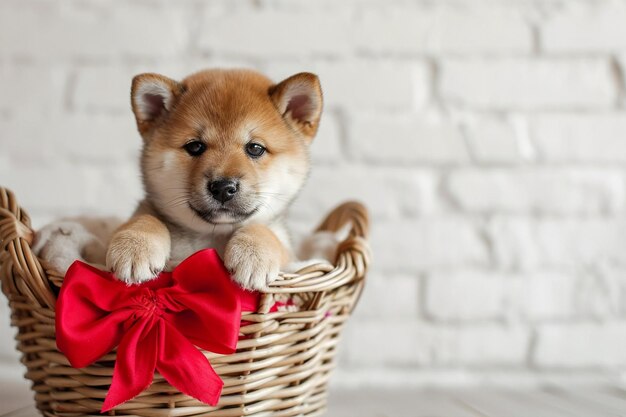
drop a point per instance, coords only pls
(134, 257)
(252, 265)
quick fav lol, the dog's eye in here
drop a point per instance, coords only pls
(195, 147)
(254, 150)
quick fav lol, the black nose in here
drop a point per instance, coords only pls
(223, 190)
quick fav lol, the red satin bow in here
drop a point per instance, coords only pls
(154, 325)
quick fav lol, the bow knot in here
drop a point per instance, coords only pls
(154, 325)
(149, 304)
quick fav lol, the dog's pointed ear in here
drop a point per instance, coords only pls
(299, 101)
(153, 96)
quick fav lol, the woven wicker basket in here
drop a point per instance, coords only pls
(281, 367)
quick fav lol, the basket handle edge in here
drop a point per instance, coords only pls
(355, 245)
(16, 237)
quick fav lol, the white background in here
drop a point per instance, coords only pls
(488, 139)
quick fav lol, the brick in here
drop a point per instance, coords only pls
(386, 192)
(293, 33)
(365, 341)
(104, 139)
(600, 292)
(427, 243)
(302, 5)
(471, 295)
(526, 244)
(107, 88)
(517, 83)
(50, 188)
(23, 142)
(480, 345)
(585, 28)
(549, 296)
(584, 138)
(103, 89)
(443, 30)
(389, 296)
(581, 345)
(513, 241)
(118, 191)
(613, 300)
(466, 295)
(577, 242)
(327, 145)
(494, 140)
(4, 157)
(560, 191)
(420, 344)
(52, 32)
(70, 189)
(386, 85)
(28, 89)
(405, 139)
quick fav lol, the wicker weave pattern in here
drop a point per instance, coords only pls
(282, 363)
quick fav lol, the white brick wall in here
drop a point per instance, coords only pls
(538, 190)
(533, 83)
(488, 140)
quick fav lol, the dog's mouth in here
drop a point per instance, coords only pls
(222, 215)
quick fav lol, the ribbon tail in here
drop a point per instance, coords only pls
(135, 364)
(186, 368)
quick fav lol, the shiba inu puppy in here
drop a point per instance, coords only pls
(224, 154)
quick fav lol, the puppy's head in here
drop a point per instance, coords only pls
(225, 146)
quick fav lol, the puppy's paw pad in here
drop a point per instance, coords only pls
(134, 258)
